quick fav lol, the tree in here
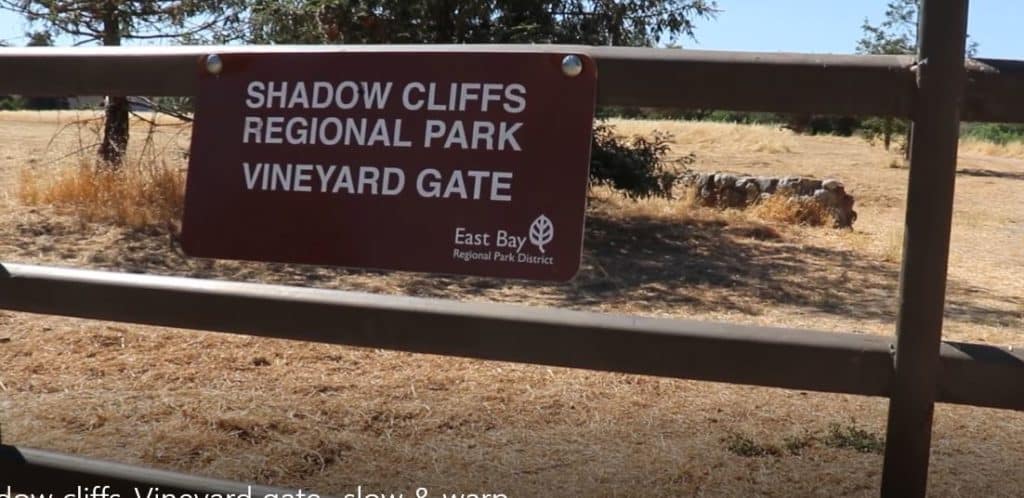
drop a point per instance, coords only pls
(111, 22)
(895, 35)
(602, 22)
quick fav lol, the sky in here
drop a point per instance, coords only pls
(833, 26)
(814, 26)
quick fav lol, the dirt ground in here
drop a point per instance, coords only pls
(332, 418)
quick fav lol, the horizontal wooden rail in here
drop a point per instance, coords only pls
(647, 77)
(28, 470)
(796, 359)
(995, 91)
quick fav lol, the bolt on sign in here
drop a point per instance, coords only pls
(455, 162)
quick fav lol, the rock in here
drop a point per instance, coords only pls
(832, 184)
(732, 198)
(723, 180)
(753, 192)
(767, 184)
(807, 186)
(726, 190)
(827, 198)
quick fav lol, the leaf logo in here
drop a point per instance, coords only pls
(541, 232)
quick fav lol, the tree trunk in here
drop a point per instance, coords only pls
(115, 124)
(887, 133)
(115, 132)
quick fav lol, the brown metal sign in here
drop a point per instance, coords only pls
(455, 162)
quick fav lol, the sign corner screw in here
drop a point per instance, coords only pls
(572, 65)
(214, 64)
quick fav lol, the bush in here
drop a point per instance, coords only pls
(134, 197)
(997, 133)
(820, 124)
(10, 103)
(742, 445)
(767, 118)
(147, 191)
(886, 131)
(855, 438)
(631, 112)
(44, 103)
(637, 167)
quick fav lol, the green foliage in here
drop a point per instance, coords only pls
(885, 131)
(44, 103)
(896, 35)
(629, 22)
(636, 166)
(745, 117)
(110, 22)
(817, 124)
(39, 39)
(999, 133)
(11, 103)
(742, 445)
(837, 436)
(285, 21)
(855, 438)
(630, 112)
(795, 445)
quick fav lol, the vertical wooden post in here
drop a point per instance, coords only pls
(941, 76)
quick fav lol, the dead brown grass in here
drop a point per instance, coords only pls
(332, 418)
(146, 190)
(975, 146)
(792, 210)
(72, 116)
(135, 197)
(705, 136)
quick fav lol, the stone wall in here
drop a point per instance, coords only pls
(726, 190)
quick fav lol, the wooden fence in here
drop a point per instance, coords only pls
(914, 369)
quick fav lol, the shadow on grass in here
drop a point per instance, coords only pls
(636, 264)
(1011, 175)
(653, 265)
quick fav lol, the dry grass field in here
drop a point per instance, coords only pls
(331, 418)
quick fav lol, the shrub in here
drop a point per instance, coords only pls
(997, 133)
(148, 191)
(745, 117)
(742, 445)
(132, 197)
(818, 124)
(886, 131)
(44, 103)
(854, 438)
(637, 167)
(11, 103)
